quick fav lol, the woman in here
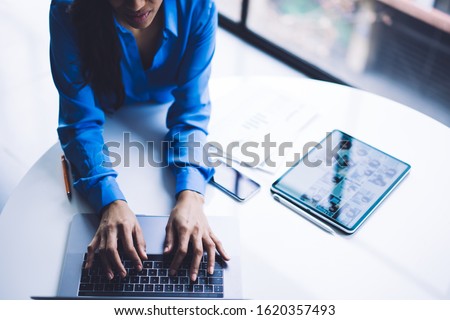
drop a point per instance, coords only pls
(107, 53)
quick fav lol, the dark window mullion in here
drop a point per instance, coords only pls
(244, 13)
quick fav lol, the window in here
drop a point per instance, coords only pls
(396, 48)
(230, 8)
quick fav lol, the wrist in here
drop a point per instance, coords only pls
(115, 204)
(189, 195)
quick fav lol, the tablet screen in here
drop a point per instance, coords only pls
(342, 178)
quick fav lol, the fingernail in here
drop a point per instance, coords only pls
(139, 267)
(123, 274)
(194, 277)
(110, 276)
(211, 270)
(166, 249)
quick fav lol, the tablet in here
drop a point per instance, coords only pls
(341, 180)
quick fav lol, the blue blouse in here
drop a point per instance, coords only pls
(179, 74)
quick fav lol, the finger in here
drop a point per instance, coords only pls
(113, 255)
(140, 243)
(219, 247)
(168, 243)
(91, 251)
(104, 258)
(128, 247)
(211, 250)
(197, 257)
(180, 254)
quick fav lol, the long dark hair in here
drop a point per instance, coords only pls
(100, 49)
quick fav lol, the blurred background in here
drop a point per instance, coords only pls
(399, 49)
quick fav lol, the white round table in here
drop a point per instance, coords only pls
(400, 252)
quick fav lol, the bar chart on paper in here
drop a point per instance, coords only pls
(262, 115)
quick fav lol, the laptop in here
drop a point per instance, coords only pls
(153, 282)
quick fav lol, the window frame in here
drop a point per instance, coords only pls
(241, 30)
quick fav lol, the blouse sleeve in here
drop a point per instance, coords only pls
(80, 119)
(189, 115)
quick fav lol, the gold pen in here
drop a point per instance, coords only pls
(65, 168)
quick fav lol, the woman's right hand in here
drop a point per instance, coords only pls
(118, 223)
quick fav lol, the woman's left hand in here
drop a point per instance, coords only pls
(188, 224)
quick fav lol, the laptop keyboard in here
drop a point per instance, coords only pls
(153, 280)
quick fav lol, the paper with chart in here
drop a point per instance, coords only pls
(260, 113)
